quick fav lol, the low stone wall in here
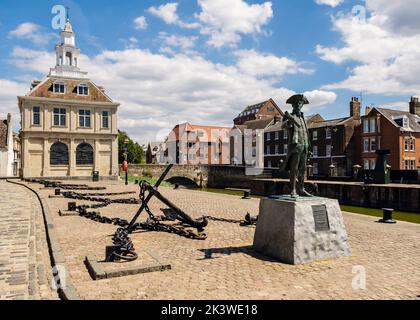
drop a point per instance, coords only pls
(206, 176)
(402, 198)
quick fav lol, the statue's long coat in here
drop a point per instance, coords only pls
(293, 138)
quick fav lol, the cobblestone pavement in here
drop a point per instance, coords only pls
(25, 271)
(225, 267)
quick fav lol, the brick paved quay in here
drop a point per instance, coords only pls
(25, 271)
(225, 267)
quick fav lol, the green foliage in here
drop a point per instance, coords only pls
(147, 173)
(135, 153)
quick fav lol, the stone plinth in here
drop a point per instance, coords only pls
(301, 231)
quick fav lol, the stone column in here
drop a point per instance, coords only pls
(72, 158)
(25, 157)
(96, 156)
(114, 157)
(46, 158)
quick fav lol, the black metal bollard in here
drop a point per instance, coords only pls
(387, 217)
(247, 195)
(71, 206)
(57, 192)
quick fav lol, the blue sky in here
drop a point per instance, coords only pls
(203, 61)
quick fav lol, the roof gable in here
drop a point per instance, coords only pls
(45, 90)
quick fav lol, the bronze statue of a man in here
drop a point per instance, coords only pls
(298, 145)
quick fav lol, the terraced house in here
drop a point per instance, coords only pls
(394, 130)
(69, 124)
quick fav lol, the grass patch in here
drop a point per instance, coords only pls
(152, 181)
(398, 215)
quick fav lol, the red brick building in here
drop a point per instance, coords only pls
(265, 109)
(333, 144)
(393, 130)
(196, 144)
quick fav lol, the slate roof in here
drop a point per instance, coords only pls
(277, 126)
(390, 114)
(259, 123)
(329, 123)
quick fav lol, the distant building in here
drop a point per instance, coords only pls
(8, 166)
(69, 124)
(333, 144)
(248, 140)
(196, 144)
(265, 109)
(155, 153)
(393, 130)
(276, 142)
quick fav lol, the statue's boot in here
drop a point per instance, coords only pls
(294, 195)
(304, 193)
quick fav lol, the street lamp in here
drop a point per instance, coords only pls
(126, 141)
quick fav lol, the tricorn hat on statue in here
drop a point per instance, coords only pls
(296, 98)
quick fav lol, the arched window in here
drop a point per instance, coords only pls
(69, 59)
(84, 154)
(59, 154)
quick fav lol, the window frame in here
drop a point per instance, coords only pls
(366, 124)
(60, 116)
(61, 84)
(328, 150)
(79, 161)
(372, 125)
(108, 122)
(36, 113)
(84, 86)
(315, 135)
(85, 117)
(315, 151)
(328, 133)
(366, 145)
(66, 161)
(315, 169)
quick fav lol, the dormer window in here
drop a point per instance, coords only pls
(59, 87)
(83, 89)
(402, 121)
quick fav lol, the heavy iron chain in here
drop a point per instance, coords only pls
(58, 184)
(81, 196)
(248, 221)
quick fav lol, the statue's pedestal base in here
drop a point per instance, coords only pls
(298, 231)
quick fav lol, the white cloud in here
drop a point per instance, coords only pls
(171, 42)
(32, 32)
(168, 13)
(225, 21)
(257, 64)
(8, 97)
(140, 23)
(331, 3)
(158, 91)
(319, 98)
(387, 59)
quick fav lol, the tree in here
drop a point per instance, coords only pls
(135, 152)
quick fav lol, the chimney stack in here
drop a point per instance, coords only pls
(355, 108)
(367, 110)
(415, 105)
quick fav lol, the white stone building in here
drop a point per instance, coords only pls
(69, 124)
